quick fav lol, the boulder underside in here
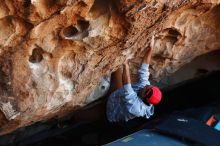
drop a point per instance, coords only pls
(53, 54)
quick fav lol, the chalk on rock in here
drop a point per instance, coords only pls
(100, 90)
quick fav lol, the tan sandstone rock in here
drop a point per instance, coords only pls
(54, 54)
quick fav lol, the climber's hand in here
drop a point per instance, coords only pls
(152, 43)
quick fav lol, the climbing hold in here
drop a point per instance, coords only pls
(103, 87)
(70, 31)
(82, 25)
(77, 32)
(36, 56)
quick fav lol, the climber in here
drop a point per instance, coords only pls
(136, 100)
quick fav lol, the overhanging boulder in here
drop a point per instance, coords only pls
(54, 54)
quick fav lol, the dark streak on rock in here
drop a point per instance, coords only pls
(6, 77)
(26, 6)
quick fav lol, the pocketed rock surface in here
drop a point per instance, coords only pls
(53, 54)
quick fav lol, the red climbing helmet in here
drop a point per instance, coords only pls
(154, 95)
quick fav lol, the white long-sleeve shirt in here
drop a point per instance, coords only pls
(124, 104)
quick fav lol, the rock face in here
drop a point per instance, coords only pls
(53, 54)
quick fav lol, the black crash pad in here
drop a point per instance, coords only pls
(190, 129)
